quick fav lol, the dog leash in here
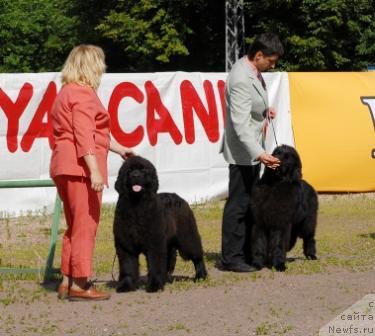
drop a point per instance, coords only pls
(273, 129)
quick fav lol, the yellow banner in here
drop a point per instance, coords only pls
(333, 118)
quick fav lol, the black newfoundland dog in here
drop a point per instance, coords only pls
(156, 225)
(285, 208)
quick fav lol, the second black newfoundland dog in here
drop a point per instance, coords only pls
(156, 225)
(285, 208)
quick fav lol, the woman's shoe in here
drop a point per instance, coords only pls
(63, 292)
(90, 294)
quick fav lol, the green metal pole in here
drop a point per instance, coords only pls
(26, 183)
(53, 238)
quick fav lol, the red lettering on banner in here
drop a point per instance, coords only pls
(221, 89)
(38, 128)
(165, 123)
(121, 91)
(190, 101)
(158, 118)
(13, 112)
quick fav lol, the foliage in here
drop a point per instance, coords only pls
(159, 35)
(318, 34)
(147, 29)
(35, 35)
(189, 35)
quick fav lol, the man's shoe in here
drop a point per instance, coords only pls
(240, 267)
(90, 294)
(63, 292)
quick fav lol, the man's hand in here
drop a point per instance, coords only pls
(271, 113)
(269, 161)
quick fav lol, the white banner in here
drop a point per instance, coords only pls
(175, 120)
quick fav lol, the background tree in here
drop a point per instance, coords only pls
(318, 34)
(148, 31)
(35, 35)
(189, 35)
(159, 35)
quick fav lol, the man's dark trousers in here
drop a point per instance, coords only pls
(237, 218)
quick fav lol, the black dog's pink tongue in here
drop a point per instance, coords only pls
(137, 188)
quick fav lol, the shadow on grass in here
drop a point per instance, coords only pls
(51, 285)
(143, 281)
(368, 235)
(293, 259)
(218, 264)
(212, 257)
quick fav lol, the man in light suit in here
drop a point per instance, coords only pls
(243, 145)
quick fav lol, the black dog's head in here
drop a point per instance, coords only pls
(136, 177)
(290, 168)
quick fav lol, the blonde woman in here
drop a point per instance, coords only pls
(79, 166)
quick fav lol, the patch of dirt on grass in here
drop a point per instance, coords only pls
(272, 304)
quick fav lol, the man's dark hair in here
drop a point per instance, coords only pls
(269, 44)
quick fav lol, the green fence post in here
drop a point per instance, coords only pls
(53, 238)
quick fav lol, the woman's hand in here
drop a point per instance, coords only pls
(97, 181)
(126, 153)
(96, 178)
(123, 151)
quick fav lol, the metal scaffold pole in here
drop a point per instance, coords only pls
(234, 32)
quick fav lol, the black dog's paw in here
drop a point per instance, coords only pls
(154, 285)
(312, 257)
(201, 276)
(170, 278)
(154, 289)
(258, 266)
(126, 285)
(201, 272)
(280, 267)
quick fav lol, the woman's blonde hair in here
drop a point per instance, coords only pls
(84, 65)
